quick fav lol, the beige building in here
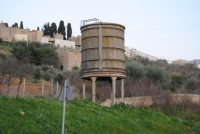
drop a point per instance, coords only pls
(35, 35)
(133, 53)
(180, 62)
(11, 34)
(77, 41)
(69, 58)
(44, 40)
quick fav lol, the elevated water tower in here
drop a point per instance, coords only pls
(103, 55)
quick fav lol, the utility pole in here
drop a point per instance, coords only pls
(64, 104)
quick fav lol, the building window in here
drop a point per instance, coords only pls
(64, 46)
(61, 67)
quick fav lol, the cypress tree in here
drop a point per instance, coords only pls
(61, 29)
(21, 25)
(69, 31)
(15, 25)
(38, 28)
(6, 24)
(53, 28)
(46, 29)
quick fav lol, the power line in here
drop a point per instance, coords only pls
(165, 29)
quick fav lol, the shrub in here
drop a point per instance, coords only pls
(49, 74)
(190, 84)
(176, 80)
(142, 60)
(59, 77)
(45, 68)
(37, 72)
(75, 68)
(134, 69)
(156, 73)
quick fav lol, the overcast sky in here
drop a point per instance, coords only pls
(167, 29)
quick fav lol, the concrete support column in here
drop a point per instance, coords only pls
(93, 87)
(122, 89)
(83, 89)
(113, 90)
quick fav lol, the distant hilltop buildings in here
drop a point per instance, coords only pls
(195, 62)
(133, 53)
(68, 52)
(70, 55)
(11, 34)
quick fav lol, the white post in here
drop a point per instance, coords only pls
(93, 88)
(24, 87)
(64, 103)
(52, 87)
(57, 88)
(113, 90)
(42, 88)
(83, 89)
(122, 89)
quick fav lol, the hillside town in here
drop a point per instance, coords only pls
(69, 50)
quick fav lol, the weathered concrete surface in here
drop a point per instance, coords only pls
(149, 100)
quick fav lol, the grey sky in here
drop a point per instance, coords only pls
(167, 29)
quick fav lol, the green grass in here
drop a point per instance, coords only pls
(43, 116)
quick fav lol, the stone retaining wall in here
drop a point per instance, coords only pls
(149, 100)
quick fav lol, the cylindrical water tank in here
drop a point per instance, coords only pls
(103, 50)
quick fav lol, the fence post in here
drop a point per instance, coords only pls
(42, 88)
(24, 87)
(57, 88)
(52, 88)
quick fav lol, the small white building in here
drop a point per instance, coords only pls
(195, 62)
(64, 43)
(44, 40)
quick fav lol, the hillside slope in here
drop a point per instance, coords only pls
(82, 116)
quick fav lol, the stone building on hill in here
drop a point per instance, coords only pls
(11, 34)
(69, 58)
(195, 62)
(77, 41)
(180, 62)
(131, 53)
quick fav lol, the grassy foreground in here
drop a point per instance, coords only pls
(43, 116)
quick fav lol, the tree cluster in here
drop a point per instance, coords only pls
(49, 30)
(16, 25)
(35, 53)
(52, 29)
